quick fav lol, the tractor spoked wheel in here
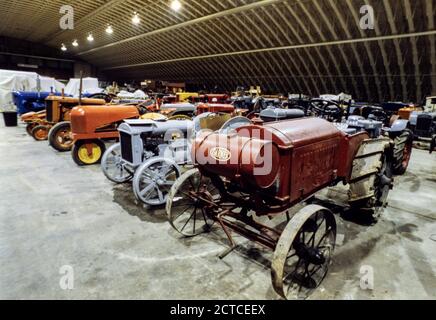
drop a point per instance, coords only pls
(154, 179)
(40, 133)
(402, 152)
(189, 203)
(88, 152)
(113, 166)
(303, 253)
(60, 136)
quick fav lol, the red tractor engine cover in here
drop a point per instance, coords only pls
(288, 160)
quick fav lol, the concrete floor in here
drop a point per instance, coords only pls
(54, 213)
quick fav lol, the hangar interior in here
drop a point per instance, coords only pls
(133, 132)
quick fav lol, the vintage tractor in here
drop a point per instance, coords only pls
(33, 119)
(53, 123)
(264, 170)
(399, 133)
(30, 101)
(423, 123)
(153, 154)
(92, 125)
(58, 114)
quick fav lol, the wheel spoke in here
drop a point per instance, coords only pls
(195, 210)
(147, 189)
(182, 213)
(195, 218)
(204, 216)
(159, 193)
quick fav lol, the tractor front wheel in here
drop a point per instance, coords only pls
(30, 127)
(88, 152)
(60, 136)
(40, 133)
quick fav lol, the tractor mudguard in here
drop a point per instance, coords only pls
(399, 126)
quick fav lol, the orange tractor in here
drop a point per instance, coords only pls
(91, 126)
(54, 122)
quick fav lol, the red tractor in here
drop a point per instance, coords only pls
(252, 171)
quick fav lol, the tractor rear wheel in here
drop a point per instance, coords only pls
(40, 133)
(60, 136)
(382, 184)
(402, 152)
(88, 152)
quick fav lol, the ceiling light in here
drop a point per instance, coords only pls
(90, 37)
(63, 47)
(176, 5)
(109, 29)
(135, 18)
(75, 43)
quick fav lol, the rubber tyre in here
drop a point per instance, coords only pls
(40, 133)
(52, 136)
(402, 150)
(77, 147)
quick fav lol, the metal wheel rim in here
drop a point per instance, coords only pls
(153, 181)
(113, 167)
(40, 133)
(64, 138)
(83, 155)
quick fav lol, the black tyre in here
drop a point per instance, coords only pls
(402, 152)
(60, 136)
(40, 133)
(88, 152)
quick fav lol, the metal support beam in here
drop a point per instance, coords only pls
(188, 23)
(292, 47)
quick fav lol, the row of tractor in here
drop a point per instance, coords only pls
(233, 160)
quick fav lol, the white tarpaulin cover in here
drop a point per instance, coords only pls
(90, 85)
(11, 80)
(138, 94)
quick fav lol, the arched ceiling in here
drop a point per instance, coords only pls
(307, 46)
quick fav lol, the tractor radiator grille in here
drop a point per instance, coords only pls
(423, 125)
(49, 111)
(126, 146)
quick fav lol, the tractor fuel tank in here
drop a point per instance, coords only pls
(299, 156)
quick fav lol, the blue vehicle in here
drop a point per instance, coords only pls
(26, 101)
